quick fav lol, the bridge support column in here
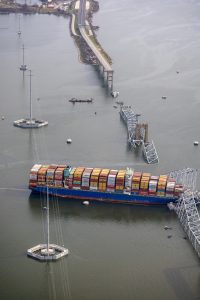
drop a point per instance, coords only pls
(110, 79)
(103, 72)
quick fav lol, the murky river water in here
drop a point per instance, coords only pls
(116, 251)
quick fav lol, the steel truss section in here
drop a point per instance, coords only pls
(136, 134)
(187, 177)
(188, 215)
(131, 120)
(150, 153)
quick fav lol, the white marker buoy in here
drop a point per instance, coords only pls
(69, 141)
(86, 202)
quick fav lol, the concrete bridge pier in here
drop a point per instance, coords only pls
(101, 69)
(106, 75)
(110, 79)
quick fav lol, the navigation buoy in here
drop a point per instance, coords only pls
(196, 143)
(86, 202)
(69, 141)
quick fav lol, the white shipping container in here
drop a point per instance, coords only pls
(170, 187)
(33, 176)
(111, 180)
(171, 183)
(85, 184)
(85, 180)
(93, 188)
(110, 190)
(85, 177)
(34, 170)
(153, 182)
(36, 167)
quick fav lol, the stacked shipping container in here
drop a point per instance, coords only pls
(103, 180)
(120, 178)
(77, 178)
(94, 179)
(85, 185)
(42, 174)
(69, 179)
(136, 182)
(50, 174)
(66, 175)
(162, 181)
(153, 183)
(111, 180)
(144, 184)
(58, 177)
(33, 176)
(128, 180)
(170, 187)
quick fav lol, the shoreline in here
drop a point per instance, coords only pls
(85, 54)
(7, 7)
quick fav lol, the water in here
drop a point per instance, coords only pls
(116, 252)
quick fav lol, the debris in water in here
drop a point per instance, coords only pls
(167, 228)
(115, 94)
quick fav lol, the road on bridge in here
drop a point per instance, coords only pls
(81, 23)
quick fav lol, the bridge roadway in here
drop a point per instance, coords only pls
(99, 56)
(82, 27)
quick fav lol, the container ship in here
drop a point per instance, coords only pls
(104, 185)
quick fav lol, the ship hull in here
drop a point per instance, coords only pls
(112, 197)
